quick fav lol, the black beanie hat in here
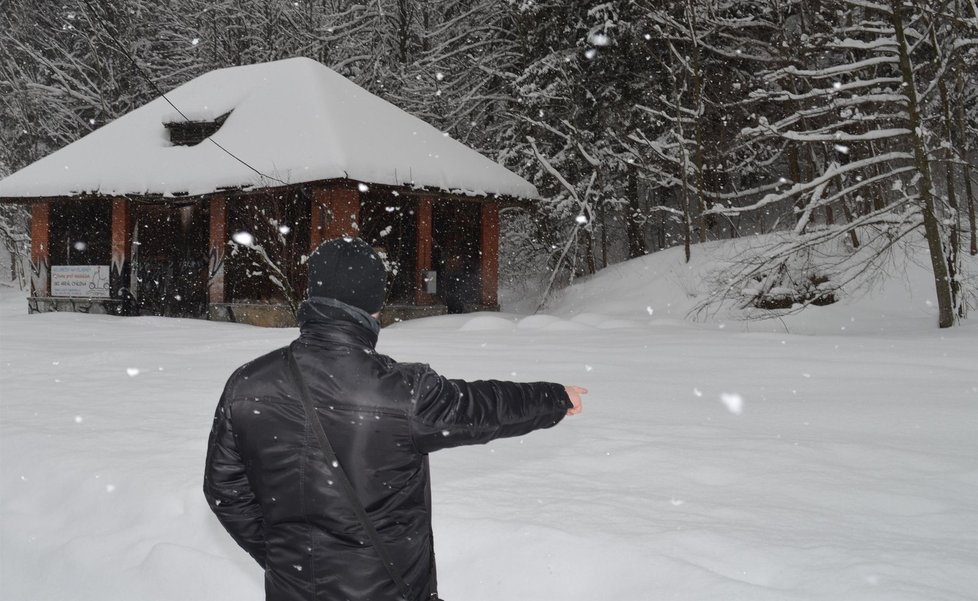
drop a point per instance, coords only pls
(350, 271)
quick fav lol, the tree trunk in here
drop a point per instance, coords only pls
(687, 221)
(879, 196)
(932, 227)
(589, 262)
(853, 236)
(965, 149)
(603, 212)
(698, 127)
(403, 29)
(954, 251)
(633, 226)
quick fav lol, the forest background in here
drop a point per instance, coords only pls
(847, 127)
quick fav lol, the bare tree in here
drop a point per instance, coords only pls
(871, 113)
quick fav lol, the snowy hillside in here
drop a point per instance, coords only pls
(715, 461)
(663, 287)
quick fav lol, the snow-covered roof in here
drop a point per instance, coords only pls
(293, 120)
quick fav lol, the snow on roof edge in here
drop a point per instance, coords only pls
(320, 126)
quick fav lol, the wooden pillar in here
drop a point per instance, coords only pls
(423, 216)
(40, 249)
(216, 248)
(489, 256)
(335, 212)
(121, 271)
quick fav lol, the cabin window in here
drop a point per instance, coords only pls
(389, 224)
(81, 232)
(456, 254)
(192, 133)
(170, 257)
(277, 221)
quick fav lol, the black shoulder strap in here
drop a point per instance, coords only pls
(342, 479)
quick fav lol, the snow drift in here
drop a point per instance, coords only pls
(718, 460)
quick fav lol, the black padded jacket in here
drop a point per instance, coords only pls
(269, 485)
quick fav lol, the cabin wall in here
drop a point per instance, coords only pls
(40, 249)
(72, 256)
(489, 256)
(241, 256)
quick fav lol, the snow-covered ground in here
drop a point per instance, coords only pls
(721, 461)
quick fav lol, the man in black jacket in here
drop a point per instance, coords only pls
(266, 477)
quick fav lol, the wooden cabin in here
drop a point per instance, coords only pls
(206, 203)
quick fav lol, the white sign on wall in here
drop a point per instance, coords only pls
(87, 281)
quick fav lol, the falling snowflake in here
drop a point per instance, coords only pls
(733, 401)
(244, 238)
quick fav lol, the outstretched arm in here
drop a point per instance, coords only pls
(450, 413)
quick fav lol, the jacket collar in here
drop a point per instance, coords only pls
(328, 322)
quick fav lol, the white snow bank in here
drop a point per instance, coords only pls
(661, 288)
(850, 472)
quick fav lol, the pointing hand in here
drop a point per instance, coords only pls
(574, 393)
